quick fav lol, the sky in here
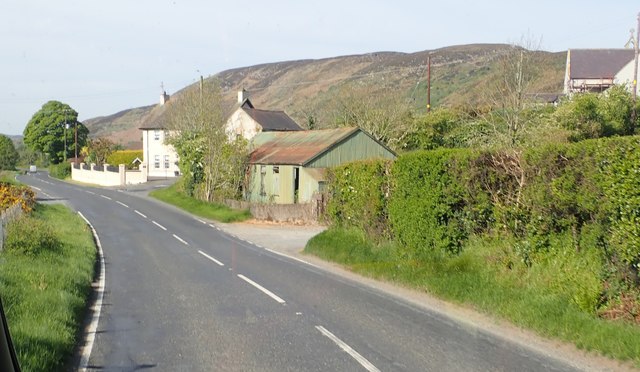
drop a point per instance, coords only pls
(101, 57)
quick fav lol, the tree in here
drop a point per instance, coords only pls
(98, 150)
(45, 132)
(212, 164)
(387, 116)
(8, 153)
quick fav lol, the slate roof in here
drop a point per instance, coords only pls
(270, 120)
(597, 63)
(296, 148)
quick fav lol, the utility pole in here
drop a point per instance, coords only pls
(66, 126)
(635, 76)
(429, 83)
(75, 145)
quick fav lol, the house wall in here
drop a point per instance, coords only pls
(240, 123)
(625, 76)
(278, 188)
(357, 147)
(154, 148)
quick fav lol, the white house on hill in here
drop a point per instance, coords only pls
(161, 158)
(247, 121)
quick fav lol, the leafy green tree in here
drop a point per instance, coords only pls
(8, 153)
(99, 149)
(45, 132)
(213, 166)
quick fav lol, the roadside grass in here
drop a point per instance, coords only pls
(45, 293)
(8, 176)
(527, 299)
(214, 211)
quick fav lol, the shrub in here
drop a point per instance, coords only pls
(125, 157)
(358, 195)
(427, 206)
(30, 236)
(61, 170)
(12, 194)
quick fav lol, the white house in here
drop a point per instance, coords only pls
(247, 121)
(161, 158)
(596, 70)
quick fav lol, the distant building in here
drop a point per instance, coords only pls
(160, 158)
(289, 167)
(247, 121)
(596, 70)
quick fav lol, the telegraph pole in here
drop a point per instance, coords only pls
(635, 75)
(429, 83)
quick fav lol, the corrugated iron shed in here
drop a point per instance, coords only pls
(296, 148)
(598, 63)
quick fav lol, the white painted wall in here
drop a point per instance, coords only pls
(154, 148)
(240, 123)
(625, 76)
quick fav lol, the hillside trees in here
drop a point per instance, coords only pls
(8, 153)
(46, 131)
(384, 114)
(213, 166)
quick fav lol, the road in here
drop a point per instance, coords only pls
(183, 296)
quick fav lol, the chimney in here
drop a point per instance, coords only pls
(164, 97)
(242, 95)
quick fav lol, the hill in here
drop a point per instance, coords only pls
(306, 87)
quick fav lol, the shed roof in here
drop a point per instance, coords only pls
(272, 120)
(597, 63)
(296, 148)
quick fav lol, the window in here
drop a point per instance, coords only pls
(156, 161)
(276, 181)
(166, 161)
(156, 134)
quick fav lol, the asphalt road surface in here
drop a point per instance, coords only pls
(183, 296)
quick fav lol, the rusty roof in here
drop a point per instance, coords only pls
(296, 148)
(597, 63)
(272, 120)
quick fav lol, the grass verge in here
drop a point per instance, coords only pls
(45, 293)
(8, 176)
(200, 208)
(526, 299)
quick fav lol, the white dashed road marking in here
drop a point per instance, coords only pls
(354, 354)
(160, 226)
(122, 204)
(106, 197)
(140, 214)
(261, 288)
(211, 258)
(180, 239)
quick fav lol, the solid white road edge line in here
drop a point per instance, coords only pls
(261, 288)
(122, 204)
(291, 257)
(140, 214)
(160, 226)
(354, 354)
(180, 239)
(106, 197)
(211, 258)
(85, 351)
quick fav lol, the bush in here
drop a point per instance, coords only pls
(125, 157)
(61, 170)
(359, 193)
(30, 236)
(427, 205)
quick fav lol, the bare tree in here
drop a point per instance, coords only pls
(213, 166)
(386, 115)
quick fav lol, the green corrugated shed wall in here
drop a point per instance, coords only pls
(279, 187)
(357, 147)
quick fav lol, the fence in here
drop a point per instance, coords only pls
(7, 216)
